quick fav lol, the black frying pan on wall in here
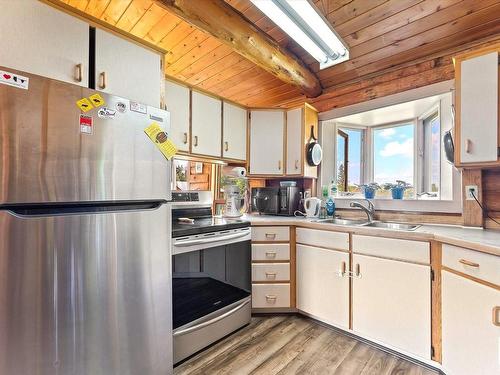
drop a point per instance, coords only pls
(314, 152)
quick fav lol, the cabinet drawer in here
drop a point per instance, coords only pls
(270, 252)
(473, 263)
(270, 234)
(271, 295)
(407, 250)
(271, 272)
(333, 240)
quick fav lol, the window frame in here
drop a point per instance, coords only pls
(363, 149)
(388, 126)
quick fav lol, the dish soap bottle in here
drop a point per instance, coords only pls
(330, 207)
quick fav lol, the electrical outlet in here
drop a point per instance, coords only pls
(469, 190)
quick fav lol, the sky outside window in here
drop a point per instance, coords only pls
(393, 149)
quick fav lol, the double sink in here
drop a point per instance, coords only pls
(373, 224)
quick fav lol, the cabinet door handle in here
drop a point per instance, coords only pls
(195, 141)
(296, 164)
(496, 318)
(468, 144)
(358, 270)
(226, 146)
(270, 254)
(343, 270)
(469, 263)
(271, 236)
(102, 80)
(271, 275)
(279, 165)
(271, 298)
(78, 72)
(185, 138)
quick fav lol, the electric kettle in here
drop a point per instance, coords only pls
(312, 206)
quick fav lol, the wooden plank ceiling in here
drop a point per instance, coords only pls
(394, 45)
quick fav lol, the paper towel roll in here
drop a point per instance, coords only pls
(238, 172)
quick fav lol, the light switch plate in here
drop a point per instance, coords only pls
(468, 192)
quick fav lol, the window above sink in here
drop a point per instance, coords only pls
(393, 142)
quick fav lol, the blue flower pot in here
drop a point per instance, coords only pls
(397, 192)
(369, 193)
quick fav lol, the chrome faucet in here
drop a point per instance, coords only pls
(370, 210)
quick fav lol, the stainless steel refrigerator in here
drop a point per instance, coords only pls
(85, 274)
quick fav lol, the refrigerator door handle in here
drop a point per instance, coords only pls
(197, 327)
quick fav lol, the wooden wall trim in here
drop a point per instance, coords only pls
(436, 305)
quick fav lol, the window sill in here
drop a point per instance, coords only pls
(415, 205)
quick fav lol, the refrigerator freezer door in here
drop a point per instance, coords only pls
(86, 294)
(51, 151)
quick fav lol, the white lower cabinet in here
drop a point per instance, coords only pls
(322, 284)
(391, 303)
(471, 340)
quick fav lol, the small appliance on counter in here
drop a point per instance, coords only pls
(276, 200)
(235, 186)
(312, 206)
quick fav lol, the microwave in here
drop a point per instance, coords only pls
(275, 200)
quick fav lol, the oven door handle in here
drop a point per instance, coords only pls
(211, 239)
(185, 331)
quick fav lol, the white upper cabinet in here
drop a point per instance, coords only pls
(392, 303)
(126, 69)
(294, 141)
(206, 125)
(267, 129)
(471, 326)
(323, 284)
(39, 39)
(177, 102)
(234, 132)
(479, 109)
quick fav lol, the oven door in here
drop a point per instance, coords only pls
(211, 295)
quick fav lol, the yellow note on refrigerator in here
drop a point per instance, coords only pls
(161, 140)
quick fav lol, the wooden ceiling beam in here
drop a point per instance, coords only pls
(226, 24)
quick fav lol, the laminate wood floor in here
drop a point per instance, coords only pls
(292, 344)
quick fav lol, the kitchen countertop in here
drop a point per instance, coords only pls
(484, 240)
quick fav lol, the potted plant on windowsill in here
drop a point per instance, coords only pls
(397, 189)
(369, 190)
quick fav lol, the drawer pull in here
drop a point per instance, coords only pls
(271, 275)
(496, 318)
(271, 254)
(469, 263)
(271, 236)
(195, 141)
(185, 138)
(226, 146)
(271, 298)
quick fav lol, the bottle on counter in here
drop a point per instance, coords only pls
(330, 207)
(333, 189)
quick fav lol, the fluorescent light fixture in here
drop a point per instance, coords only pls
(300, 20)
